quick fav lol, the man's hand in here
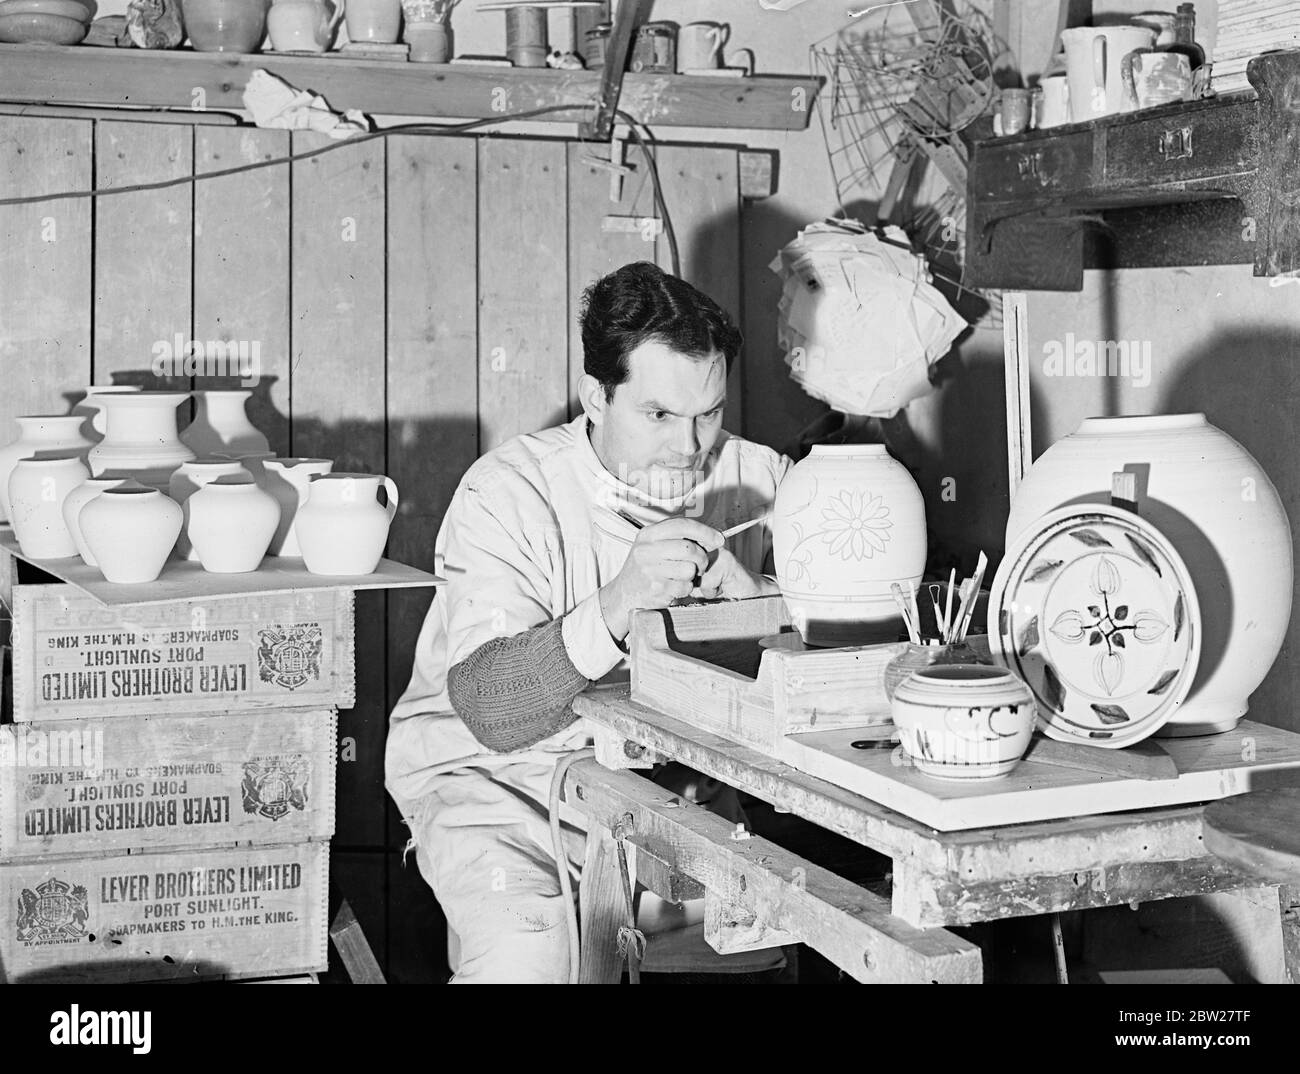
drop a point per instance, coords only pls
(728, 577)
(663, 565)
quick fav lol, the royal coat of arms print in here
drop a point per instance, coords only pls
(273, 786)
(55, 912)
(290, 656)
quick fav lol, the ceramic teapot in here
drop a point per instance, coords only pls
(302, 25)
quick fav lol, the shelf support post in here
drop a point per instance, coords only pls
(628, 19)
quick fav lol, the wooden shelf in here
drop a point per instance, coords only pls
(88, 75)
(187, 580)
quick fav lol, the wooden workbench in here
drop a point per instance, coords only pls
(939, 878)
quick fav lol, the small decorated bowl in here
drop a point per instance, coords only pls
(964, 721)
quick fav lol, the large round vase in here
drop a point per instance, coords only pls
(848, 522)
(230, 522)
(1216, 506)
(94, 413)
(964, 721)
(130, 531)
(187, 480)
(342, 528)
(39, 432)
(221, 425)
(140, 437)
(76, 500)
(37, 489)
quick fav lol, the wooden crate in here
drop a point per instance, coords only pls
(179, 915)
(703, 664)
(74, 657)
(76, 787)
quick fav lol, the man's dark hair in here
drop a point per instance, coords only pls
(641, 302)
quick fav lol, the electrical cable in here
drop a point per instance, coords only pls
(562, 857)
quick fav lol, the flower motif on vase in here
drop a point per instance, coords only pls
(856, 525)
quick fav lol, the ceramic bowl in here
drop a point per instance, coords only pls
(964, 721)
(66, 9)
(38, 28)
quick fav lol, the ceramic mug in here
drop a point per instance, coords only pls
(378, 21)
(1013, 112)
(699, 46)
(302, 25)
(1053, 102)
(1155, 78)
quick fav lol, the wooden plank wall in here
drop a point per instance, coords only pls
(414, 303)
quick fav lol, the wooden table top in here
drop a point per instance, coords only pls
(1258, 833)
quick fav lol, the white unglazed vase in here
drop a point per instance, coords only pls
(187, 480)
(140, 436)
(37, 488)
(93, 413)
(342, 528)
(39, 432)
(288, 480)
(848, 522)
(221, 425)
(1223, 516)
(130, 531)
(77, 499)
(964, 721)
(231, 522)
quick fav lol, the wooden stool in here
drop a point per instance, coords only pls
(1258, 833)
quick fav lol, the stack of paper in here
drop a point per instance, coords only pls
(859, 320)
(1247, 28)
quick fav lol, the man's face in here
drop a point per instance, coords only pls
(662, 422)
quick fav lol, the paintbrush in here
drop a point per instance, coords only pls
(976, 581)
(739, 528)
(948, 624)
(897, 591)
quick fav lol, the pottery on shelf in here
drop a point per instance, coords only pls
(915, 657)
(221, 425)
(342, 528)
(254, 462)
(39, 432)
(376, 21)
(130, 530)
(230, 524)
(188, 479)
(77, 499)
(140, 436)
(848, 522)
(89, 408)
(37, 488)
(288, 480)
(225, 25)
(302, 25)
(964, 721)
(1224, 518)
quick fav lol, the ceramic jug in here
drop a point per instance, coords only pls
(302, 25)
(77, 499)
(288, 480)
(342, 528)
(140, 436)
(847, 523)
(37, 488)
(130, 531)
(1224, 517)
(221, 425)
(231, 522)
(188, 479)
(1094, 63)
(39, 432)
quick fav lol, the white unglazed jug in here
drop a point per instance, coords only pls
(342, 528)
(1095, 57)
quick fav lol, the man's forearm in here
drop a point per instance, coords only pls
(514, 692)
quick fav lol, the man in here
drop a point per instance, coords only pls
(550, 543)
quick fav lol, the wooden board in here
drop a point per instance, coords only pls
(702, 664)
(73, 657)
(523, 289)
(1258, 833)
(177, 915)
(189, 581)
(241, 266)
(1209, 768)
(90, 787)
(175, 79)
(44, 268)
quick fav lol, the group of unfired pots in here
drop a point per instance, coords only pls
(849, 521)
(142, 493)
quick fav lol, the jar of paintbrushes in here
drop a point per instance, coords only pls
(945, 638)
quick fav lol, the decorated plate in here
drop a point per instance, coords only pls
(1096, 611)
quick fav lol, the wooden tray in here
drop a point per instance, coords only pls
(703, 664)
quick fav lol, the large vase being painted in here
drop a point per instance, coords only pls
(848, 522)
(1218, 508)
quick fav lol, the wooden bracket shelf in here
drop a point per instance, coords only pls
(88, 75)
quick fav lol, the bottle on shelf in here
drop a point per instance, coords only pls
(1185, 36)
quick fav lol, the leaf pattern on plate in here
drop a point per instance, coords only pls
(1162, 683)
(1108, 669)
(1145, 554)
(1091, 538)
(1105, 579)
(1053, 691)
(1044, 568)
(1148, 626)
(1111, 714)
(1068, 626)
(1178, 616)
(1030, 637)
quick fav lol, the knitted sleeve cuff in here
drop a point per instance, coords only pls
(514, 692)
